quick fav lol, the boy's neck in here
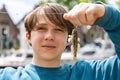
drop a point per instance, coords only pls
(49, 64)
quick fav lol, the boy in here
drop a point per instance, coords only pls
(47, 29)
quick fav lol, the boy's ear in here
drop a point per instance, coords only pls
(68, 42)
(28, 37)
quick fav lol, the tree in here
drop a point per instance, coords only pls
(118, 4)
(43, 2)
(93, 1)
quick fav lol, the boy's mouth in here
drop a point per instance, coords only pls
(49, 46)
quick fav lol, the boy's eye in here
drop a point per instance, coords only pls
(61, 30)
(40, 28)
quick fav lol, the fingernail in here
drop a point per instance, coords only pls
(65, 16)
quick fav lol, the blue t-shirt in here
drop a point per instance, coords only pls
(108, 69)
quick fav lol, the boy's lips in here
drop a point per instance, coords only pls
(49, 46)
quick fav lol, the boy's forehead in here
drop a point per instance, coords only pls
(43, 20)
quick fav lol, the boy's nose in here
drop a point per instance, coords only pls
(49, 36)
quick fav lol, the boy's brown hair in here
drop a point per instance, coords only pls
(54, 13)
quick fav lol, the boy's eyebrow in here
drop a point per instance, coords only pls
(42, 23)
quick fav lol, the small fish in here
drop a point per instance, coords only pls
(74, 43)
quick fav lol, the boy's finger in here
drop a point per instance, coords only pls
(65, 16)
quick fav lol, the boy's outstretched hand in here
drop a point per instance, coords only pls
(85, 13)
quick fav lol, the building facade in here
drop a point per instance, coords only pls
(8, 31)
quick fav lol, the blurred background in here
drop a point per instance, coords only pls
(15, 51)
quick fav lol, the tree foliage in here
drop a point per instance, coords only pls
(71, 3)
(118, 4)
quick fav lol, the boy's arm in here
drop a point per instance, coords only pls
(111, 24)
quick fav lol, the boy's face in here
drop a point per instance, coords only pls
(48, 40)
